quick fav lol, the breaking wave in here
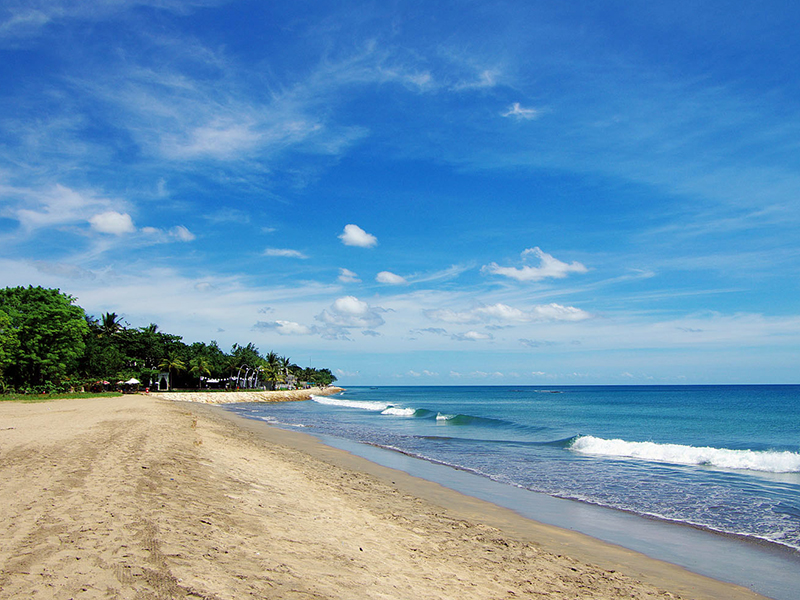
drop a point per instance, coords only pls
(751, 460)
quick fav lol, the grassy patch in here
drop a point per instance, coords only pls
(48, 397)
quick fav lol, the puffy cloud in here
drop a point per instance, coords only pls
(390, 278)
(504, 313)
(472, 336)
(284, 252)
(347, 276)
(518, 112)
(353, 235)
(113, 222)
(349, 311)
(548, 267)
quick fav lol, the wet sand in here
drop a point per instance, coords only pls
(140, 497)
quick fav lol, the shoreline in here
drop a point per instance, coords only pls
(239, 396)
(560, 541)
(139, 496)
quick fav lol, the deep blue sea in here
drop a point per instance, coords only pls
(721, 458)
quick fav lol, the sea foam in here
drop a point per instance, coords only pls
(399, 412)
(751, 460)
(332, 401)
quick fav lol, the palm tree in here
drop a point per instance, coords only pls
(284, 362)
(271, 374)
(271, 359)
(175, 363)
(150, 329)
(198, 367)
(111, 324)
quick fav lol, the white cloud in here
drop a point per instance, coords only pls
(484, 374)
(557, 312)
(52, 206)
(536, 343)
(113, 222)
(390, 278)
(180, 233)
(349, 311)
(284, 252)
(353, 235)
(485, 79)
(286, 327)
(518, 112)
(343, 373)
(217, 139)
(347, 276)
(504, 313)
(472, 336)
(548, 267)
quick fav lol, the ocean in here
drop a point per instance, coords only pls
(721, 459)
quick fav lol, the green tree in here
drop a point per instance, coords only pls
(199, 366)
(110, 325)
(9, 345)
(271, 374)
(246, 355)
(284, 362)
(172, 364)
(50, 330)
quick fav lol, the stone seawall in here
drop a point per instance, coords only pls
(247, 396)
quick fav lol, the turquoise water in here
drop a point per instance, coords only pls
(721, 458)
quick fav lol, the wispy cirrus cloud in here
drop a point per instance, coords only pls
(518, 112)
(21, 19)
(58, 205)
(348, 276)
(284, 253)
(504, 313)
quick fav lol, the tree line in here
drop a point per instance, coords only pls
(49, 344)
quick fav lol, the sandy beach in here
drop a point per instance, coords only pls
(142, 497)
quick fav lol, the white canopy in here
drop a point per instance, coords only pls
(132, 381)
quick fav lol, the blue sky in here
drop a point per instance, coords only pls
(450, 193)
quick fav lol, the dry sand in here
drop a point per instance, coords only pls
(143, 498)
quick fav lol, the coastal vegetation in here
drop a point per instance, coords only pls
(48, 344)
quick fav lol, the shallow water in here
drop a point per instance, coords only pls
(721, 458)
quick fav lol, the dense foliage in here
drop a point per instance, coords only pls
(48, 343)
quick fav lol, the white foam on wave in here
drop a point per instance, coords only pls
(399, 412)
(750, 460)
(331, 401)
(442, 417)
(274, 421)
